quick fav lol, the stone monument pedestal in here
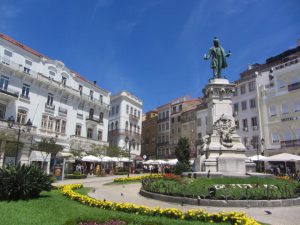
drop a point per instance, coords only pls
(223, 152)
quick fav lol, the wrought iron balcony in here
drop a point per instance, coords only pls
(294, 86)
(93, 118)
(9, 91)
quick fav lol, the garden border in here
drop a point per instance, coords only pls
(222, 203)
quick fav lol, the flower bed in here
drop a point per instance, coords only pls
(224, 188)
(137, 178)
(235, 218)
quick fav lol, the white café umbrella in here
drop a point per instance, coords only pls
(257, 158)
(148, 162)
(89, 158)
(172, 162)
(105, 159)
(282, 157)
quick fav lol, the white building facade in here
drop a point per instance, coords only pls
(125, 120)
(281, 108)
(60, 103)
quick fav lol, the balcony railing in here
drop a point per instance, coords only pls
(294, 86)
(163, 119)
(124, 132)
(290, 143)
(26, 97)
(49, 107)
(76, 138)
(94, 119)
(133, 117)
(162, 143)
(9, 91)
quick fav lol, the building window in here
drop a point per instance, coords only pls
(91, 113)
(178, 129)
(163, 127)
(117, 109)
(245, 140)
(134, 112)
(245, 124)
(25, 90)
(243, 89)
(101, 99)
(52, 73)
(26, 70)
(167, 126)
(7, 53)
(90, 133)
(285, 109)
(244, 105)
(236, 107)
(254, 122)
(28, 62)
(180, 107)
(174, 109)
(127, 109)
(63, 80)
(298, 134)
(297, 106)
(178, 118)
(237, 124)
(78, 130)
(273, 111)
(275, 137)
(130, 128)
(199, 135)
(91, 95)
(2, 111)
(50, 123)
(50, 99)
(44, 122)
(252, 103)
(57, 125)
(4, 82)
(251, 86)
(172, 120)
(131, 110)
(287, 135)
(159, 127)
(199, 122)
(99, 135)
(117, 125)
(101, 115)
(22, 115)
(126, 125)
(235, 93)
(63, 127)
(80, 89)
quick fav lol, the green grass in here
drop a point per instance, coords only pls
(123, 182)
(52, 208)
(200, 187)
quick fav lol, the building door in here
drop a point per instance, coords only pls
(2, 111)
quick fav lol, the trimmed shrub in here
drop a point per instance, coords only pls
(22, 182)
(76, 176)
(182, 167)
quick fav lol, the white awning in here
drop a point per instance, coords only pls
(257, 158)
(283, 157)
(39, 156)
(64, 155)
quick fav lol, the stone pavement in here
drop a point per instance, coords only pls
(130, 193)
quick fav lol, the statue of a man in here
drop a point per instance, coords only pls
(218, 58)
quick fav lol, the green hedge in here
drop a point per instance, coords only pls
(76, 176)
(262, 188)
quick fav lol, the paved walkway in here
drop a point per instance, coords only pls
(130, 193)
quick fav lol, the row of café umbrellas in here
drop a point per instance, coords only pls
(170, 162)
(101, 158)
(282, 157)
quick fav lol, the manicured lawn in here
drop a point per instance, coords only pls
(53, 208)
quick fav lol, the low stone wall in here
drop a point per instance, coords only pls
(222, 203)
(219, 174)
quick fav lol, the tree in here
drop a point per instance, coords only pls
(182, 153)
(49, 147)
(182, 150)
(11, 145)
(115, 152)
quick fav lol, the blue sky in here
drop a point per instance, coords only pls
(152, 48)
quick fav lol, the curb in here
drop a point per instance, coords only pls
(222, 203)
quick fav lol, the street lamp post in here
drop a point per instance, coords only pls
(28, 126)
(130, 143)
(256, 142)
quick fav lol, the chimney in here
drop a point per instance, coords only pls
(95, 82)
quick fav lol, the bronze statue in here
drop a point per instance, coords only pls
(218, 58)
